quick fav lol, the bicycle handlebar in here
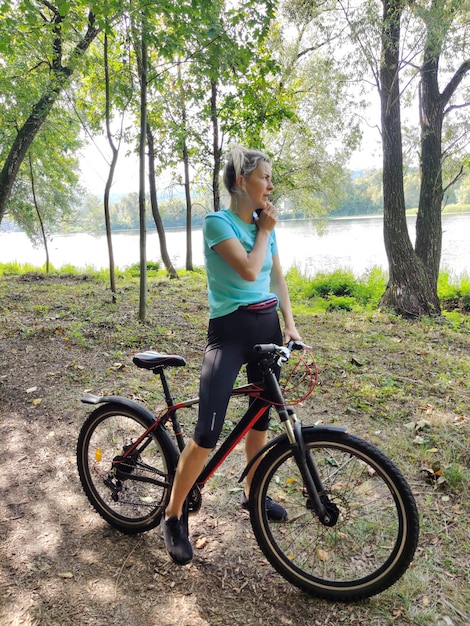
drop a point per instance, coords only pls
(282, 351)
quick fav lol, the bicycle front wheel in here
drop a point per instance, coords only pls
(129, 491)
(376, 532)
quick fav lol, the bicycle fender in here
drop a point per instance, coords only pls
(89, 398)
(281, 439)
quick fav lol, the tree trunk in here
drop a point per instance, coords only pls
(40, 111)
(408, 291)
(109, 182)
(38, 212)
(154, 205)
(215, 147)
(428, 222)
(187, 187)
(432, 111)
(187, 193)
(143, 133)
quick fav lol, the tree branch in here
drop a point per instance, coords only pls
(455, 81)
(456, 106)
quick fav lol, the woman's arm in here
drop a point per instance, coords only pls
(279, 287)
(249, 264)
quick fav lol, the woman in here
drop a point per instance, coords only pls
(245, 287)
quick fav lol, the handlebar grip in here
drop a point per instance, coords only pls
(265, 348)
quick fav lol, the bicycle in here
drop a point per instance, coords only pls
(352, 527)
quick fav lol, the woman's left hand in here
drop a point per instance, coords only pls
(291, 333)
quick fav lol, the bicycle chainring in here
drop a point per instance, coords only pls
(194, 500)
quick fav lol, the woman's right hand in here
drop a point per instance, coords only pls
(267, 218)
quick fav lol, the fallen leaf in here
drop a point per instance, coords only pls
(201, 543)
(31, 389)
(36, 401)
(322, 555)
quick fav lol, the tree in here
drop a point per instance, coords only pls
(112, 167)
(463, 192)
(408, 290)
(312, 144)
(204, 93)
(155, 207)
(38, 210)
(143, 70)
(412, 286)
(65, 31)
(435, 105)
(433, 51)
(53, 169)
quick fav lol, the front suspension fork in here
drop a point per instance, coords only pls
(326, 511)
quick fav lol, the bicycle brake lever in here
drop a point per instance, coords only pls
(297, 345)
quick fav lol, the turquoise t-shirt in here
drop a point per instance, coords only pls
(227, 289)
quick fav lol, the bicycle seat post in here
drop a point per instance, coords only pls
(170, 403)
(160, 370)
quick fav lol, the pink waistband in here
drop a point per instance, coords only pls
(266, 304)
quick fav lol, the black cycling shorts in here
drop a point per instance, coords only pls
(230, 342)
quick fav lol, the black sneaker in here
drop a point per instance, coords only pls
(176, 540)
(276, 512)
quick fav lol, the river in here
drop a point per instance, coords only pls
(355, 244)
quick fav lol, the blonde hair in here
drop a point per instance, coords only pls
(241, 161)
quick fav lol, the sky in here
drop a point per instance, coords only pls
(94, 164)
(94, 167)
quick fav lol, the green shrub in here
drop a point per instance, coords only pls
(342, 290)
(153, 267)
(16, 269)
(454, 294)
(341, 303)
(337, 283)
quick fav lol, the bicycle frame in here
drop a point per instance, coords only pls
(254, 412)
(256, 409)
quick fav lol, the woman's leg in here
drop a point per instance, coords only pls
(176, 539)
(254, 441)
(189, 467)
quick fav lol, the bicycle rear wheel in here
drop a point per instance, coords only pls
(130, 493)
(375, 536)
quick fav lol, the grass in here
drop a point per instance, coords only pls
(403, 385)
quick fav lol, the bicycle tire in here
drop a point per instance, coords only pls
(375, 536)
(112, 487)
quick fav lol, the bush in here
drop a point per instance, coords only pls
(153, 267)
(337, 283)
(454, 295)
(343, 291)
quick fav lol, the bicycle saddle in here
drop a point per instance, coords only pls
(151, 359)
